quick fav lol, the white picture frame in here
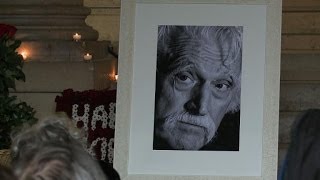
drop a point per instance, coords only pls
(134, 157)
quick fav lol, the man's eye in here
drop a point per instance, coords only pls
(183, 78)
(183, 81)
(222, 86)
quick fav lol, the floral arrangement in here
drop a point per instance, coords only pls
(8, 30)
(11, 62)
(13, 113)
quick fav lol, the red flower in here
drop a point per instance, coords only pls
(7, 29)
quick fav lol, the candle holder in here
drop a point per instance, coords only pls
(87, 57)
(24, 54)
(77, 38)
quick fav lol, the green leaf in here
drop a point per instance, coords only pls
(13, 114)
(21, 61)
(15, 45)
(20, 75)
(14, 59)
(10, 83)
(1, 86)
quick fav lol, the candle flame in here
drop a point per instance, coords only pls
(87, 57)
(76, 37)
(24, 54)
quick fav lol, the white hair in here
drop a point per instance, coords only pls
(49, 151)
(231, 35)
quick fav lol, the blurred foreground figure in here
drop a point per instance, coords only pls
(50, 151)
(303, 158)
(6, 174)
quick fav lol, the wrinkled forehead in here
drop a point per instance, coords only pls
(217, 41)
(207, 36)
(199, 47)
(205, 43)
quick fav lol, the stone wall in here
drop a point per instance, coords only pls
(55, 62)
(105, 18)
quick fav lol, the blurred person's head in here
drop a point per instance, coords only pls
(6, 173)
(303, 157)
(51, 151)
(198, 82)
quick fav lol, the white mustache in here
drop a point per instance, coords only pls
(185, 117)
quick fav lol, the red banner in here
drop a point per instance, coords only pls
(94, 112)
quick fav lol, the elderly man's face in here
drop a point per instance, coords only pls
(194, 96)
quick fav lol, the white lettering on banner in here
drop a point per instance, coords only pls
(108, 120)
(104, 145)
(112, 115)
(96, 117)
(84, 118)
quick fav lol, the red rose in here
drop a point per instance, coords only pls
(7, 29)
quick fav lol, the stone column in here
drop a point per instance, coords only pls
(47, 19)
(55, 61)
(46, 28)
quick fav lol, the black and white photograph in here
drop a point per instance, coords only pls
(195, 90)
(198, 87)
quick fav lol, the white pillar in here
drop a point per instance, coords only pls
(47, 19)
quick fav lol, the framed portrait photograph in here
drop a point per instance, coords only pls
(198, 89)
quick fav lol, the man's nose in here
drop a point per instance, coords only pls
(199, 102)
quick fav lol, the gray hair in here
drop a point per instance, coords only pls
(230, 35)
(49, 151)
(6, 173)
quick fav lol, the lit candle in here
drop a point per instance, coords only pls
(116, 77)
(76, 37)
(87, 57)
(24, 54)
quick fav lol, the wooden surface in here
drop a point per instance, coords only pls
(301, 5)
(300, 64)
(301, 26)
